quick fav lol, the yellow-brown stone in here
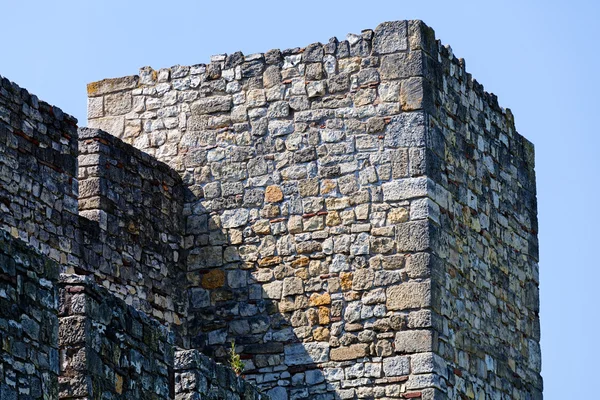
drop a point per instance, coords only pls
(333, 218)
(302, 273)
(319, 299)
(118, 384)
(213, 279)
(300, 262)
(351, 352)
(346, 280)
(262, 227)
(324, 315)
(269, 261)
(321, 334)
(273, 194)
(397, 215)
(328, 186)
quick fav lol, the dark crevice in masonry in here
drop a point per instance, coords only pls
(359, 217)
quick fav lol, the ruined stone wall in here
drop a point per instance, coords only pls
(133, 242)
(109, 349)
(38, 173)
(484, 218)
(28, 322)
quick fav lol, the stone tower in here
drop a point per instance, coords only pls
(359, 217)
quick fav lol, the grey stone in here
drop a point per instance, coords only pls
(404, 189)
(234, 218)
(307, 353)
(413, 341)
(390, 37)
(281, 128)
(396, 366)
(211, 105)
(405, 130)
(278, 393)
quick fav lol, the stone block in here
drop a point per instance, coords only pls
(409, 295)
(351, 352)
(404, 189)
(211, 104)
(414, 341)
(390, 37)
(396, 366)
(413, 236)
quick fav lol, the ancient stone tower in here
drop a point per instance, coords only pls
(358, 217)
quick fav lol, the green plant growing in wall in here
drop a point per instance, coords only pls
(235, 361)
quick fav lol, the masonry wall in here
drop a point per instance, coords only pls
(38, 215)
(197, 377)
(306, 223)
(485, 248)
(28, 322)
(109, 349)
(361, 216)
(38, 178)
(127, 238)
(132, 241)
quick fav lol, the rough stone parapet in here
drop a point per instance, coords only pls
(134, 244)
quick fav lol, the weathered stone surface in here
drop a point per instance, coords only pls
(413, 341)
(390, 37)
(396, 366)
(211, 105)
(409, 295)
(213, 279)
(413, 236)
(273, 194)
(404, 189)
(234, 218)
(351, 352)
(307, 353)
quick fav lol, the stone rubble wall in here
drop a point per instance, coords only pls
(38, 173)
(198, 377)
(28, 322)
(109, 349)
(483, 212)
(133, 243)
(306, 225)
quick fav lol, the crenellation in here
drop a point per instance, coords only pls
(358, 217)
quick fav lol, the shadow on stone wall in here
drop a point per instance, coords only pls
(273, 325)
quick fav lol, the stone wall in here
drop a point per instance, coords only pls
(485, 249)
(109, 349)
(133, 244)
(198, 377)
(306, 226)
(28, 322)
(38, 173)
(360, 219)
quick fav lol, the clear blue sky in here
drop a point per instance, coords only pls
(539, 57)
